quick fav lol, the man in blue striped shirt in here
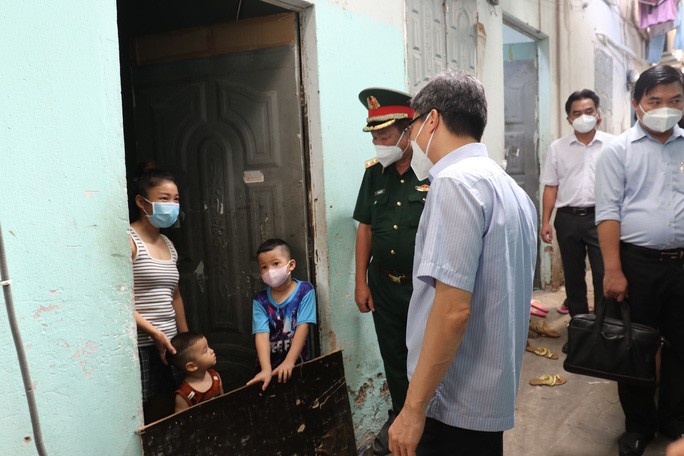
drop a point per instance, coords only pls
(640, 218)
(472, 274)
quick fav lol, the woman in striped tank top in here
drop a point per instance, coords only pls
(159, 311)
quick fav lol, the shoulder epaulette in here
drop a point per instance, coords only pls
(371, 162)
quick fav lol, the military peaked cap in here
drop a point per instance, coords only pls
(385, 107)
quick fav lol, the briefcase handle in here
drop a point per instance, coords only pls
(626, 318)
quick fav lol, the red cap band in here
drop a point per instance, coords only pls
(386, 110)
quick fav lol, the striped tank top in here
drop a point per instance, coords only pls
(153, 284)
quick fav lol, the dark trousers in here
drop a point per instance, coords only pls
(440, 439)
(656, 298)
(391, 302)
(577, 237)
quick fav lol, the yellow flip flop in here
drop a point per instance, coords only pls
(541, 351)
(548, 380)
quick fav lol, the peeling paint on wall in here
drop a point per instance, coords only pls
(42, 309)
(83, 355)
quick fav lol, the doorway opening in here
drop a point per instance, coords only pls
(521, 113)
(212, 92)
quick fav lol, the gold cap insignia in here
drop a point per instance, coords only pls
(372, 102)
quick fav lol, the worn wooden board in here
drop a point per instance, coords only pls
(308, 415)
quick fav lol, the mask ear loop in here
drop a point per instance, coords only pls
(427, 148)
(143, 206)
(399, 140)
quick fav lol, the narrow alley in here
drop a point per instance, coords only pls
(583, 417)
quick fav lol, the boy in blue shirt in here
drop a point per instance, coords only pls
(281, 314)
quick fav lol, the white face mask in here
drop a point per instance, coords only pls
(420, 163)
(660, 120)
(276, 277)
(389, 154)
(584, 123)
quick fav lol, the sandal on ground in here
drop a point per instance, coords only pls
(548, 380)
(540, 328)
(541, 351)
(538, 305)
(537, 313)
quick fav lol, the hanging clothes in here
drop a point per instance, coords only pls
(654, 15)
(679, 35)
(655, 48)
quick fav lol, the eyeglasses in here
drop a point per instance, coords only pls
(413, 120)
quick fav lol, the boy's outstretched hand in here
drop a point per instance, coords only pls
(263, 376)
(284, 371)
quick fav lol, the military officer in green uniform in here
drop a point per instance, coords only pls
(388, 209)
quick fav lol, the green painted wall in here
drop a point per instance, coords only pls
(360, 44)
(64, 218)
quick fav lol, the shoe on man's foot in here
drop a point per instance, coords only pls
(381, 442)
(633, 443)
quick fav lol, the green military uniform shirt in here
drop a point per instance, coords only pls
(391, 204)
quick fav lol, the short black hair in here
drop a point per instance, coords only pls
(581, 95)
(149, 179)
(657, 75)
(272, 244)
(182, 343)
(459, 98)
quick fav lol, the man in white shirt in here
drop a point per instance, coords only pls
(568, 179)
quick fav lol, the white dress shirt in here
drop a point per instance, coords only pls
(571, 165)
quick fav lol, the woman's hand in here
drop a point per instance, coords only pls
(163, 345)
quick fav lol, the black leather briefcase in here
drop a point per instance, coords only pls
(612, 349)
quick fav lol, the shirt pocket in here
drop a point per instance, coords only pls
(378, 204)
(416, 204)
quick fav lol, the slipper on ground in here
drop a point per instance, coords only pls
(548, 380)
(542, 351)
(537, 313)
(538, 305)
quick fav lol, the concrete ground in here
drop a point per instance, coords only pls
(583, 417)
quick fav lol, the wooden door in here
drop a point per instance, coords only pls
(229, 127)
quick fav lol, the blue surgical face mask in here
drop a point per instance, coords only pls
(163, 214)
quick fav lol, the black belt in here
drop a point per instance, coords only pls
(397, 277)
(576, 210)
(670, 255)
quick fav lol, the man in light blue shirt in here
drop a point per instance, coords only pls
(473, 270)
(640, 218)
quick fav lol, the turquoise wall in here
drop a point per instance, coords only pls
(64, 218)
(63, 214)
(360, 44)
